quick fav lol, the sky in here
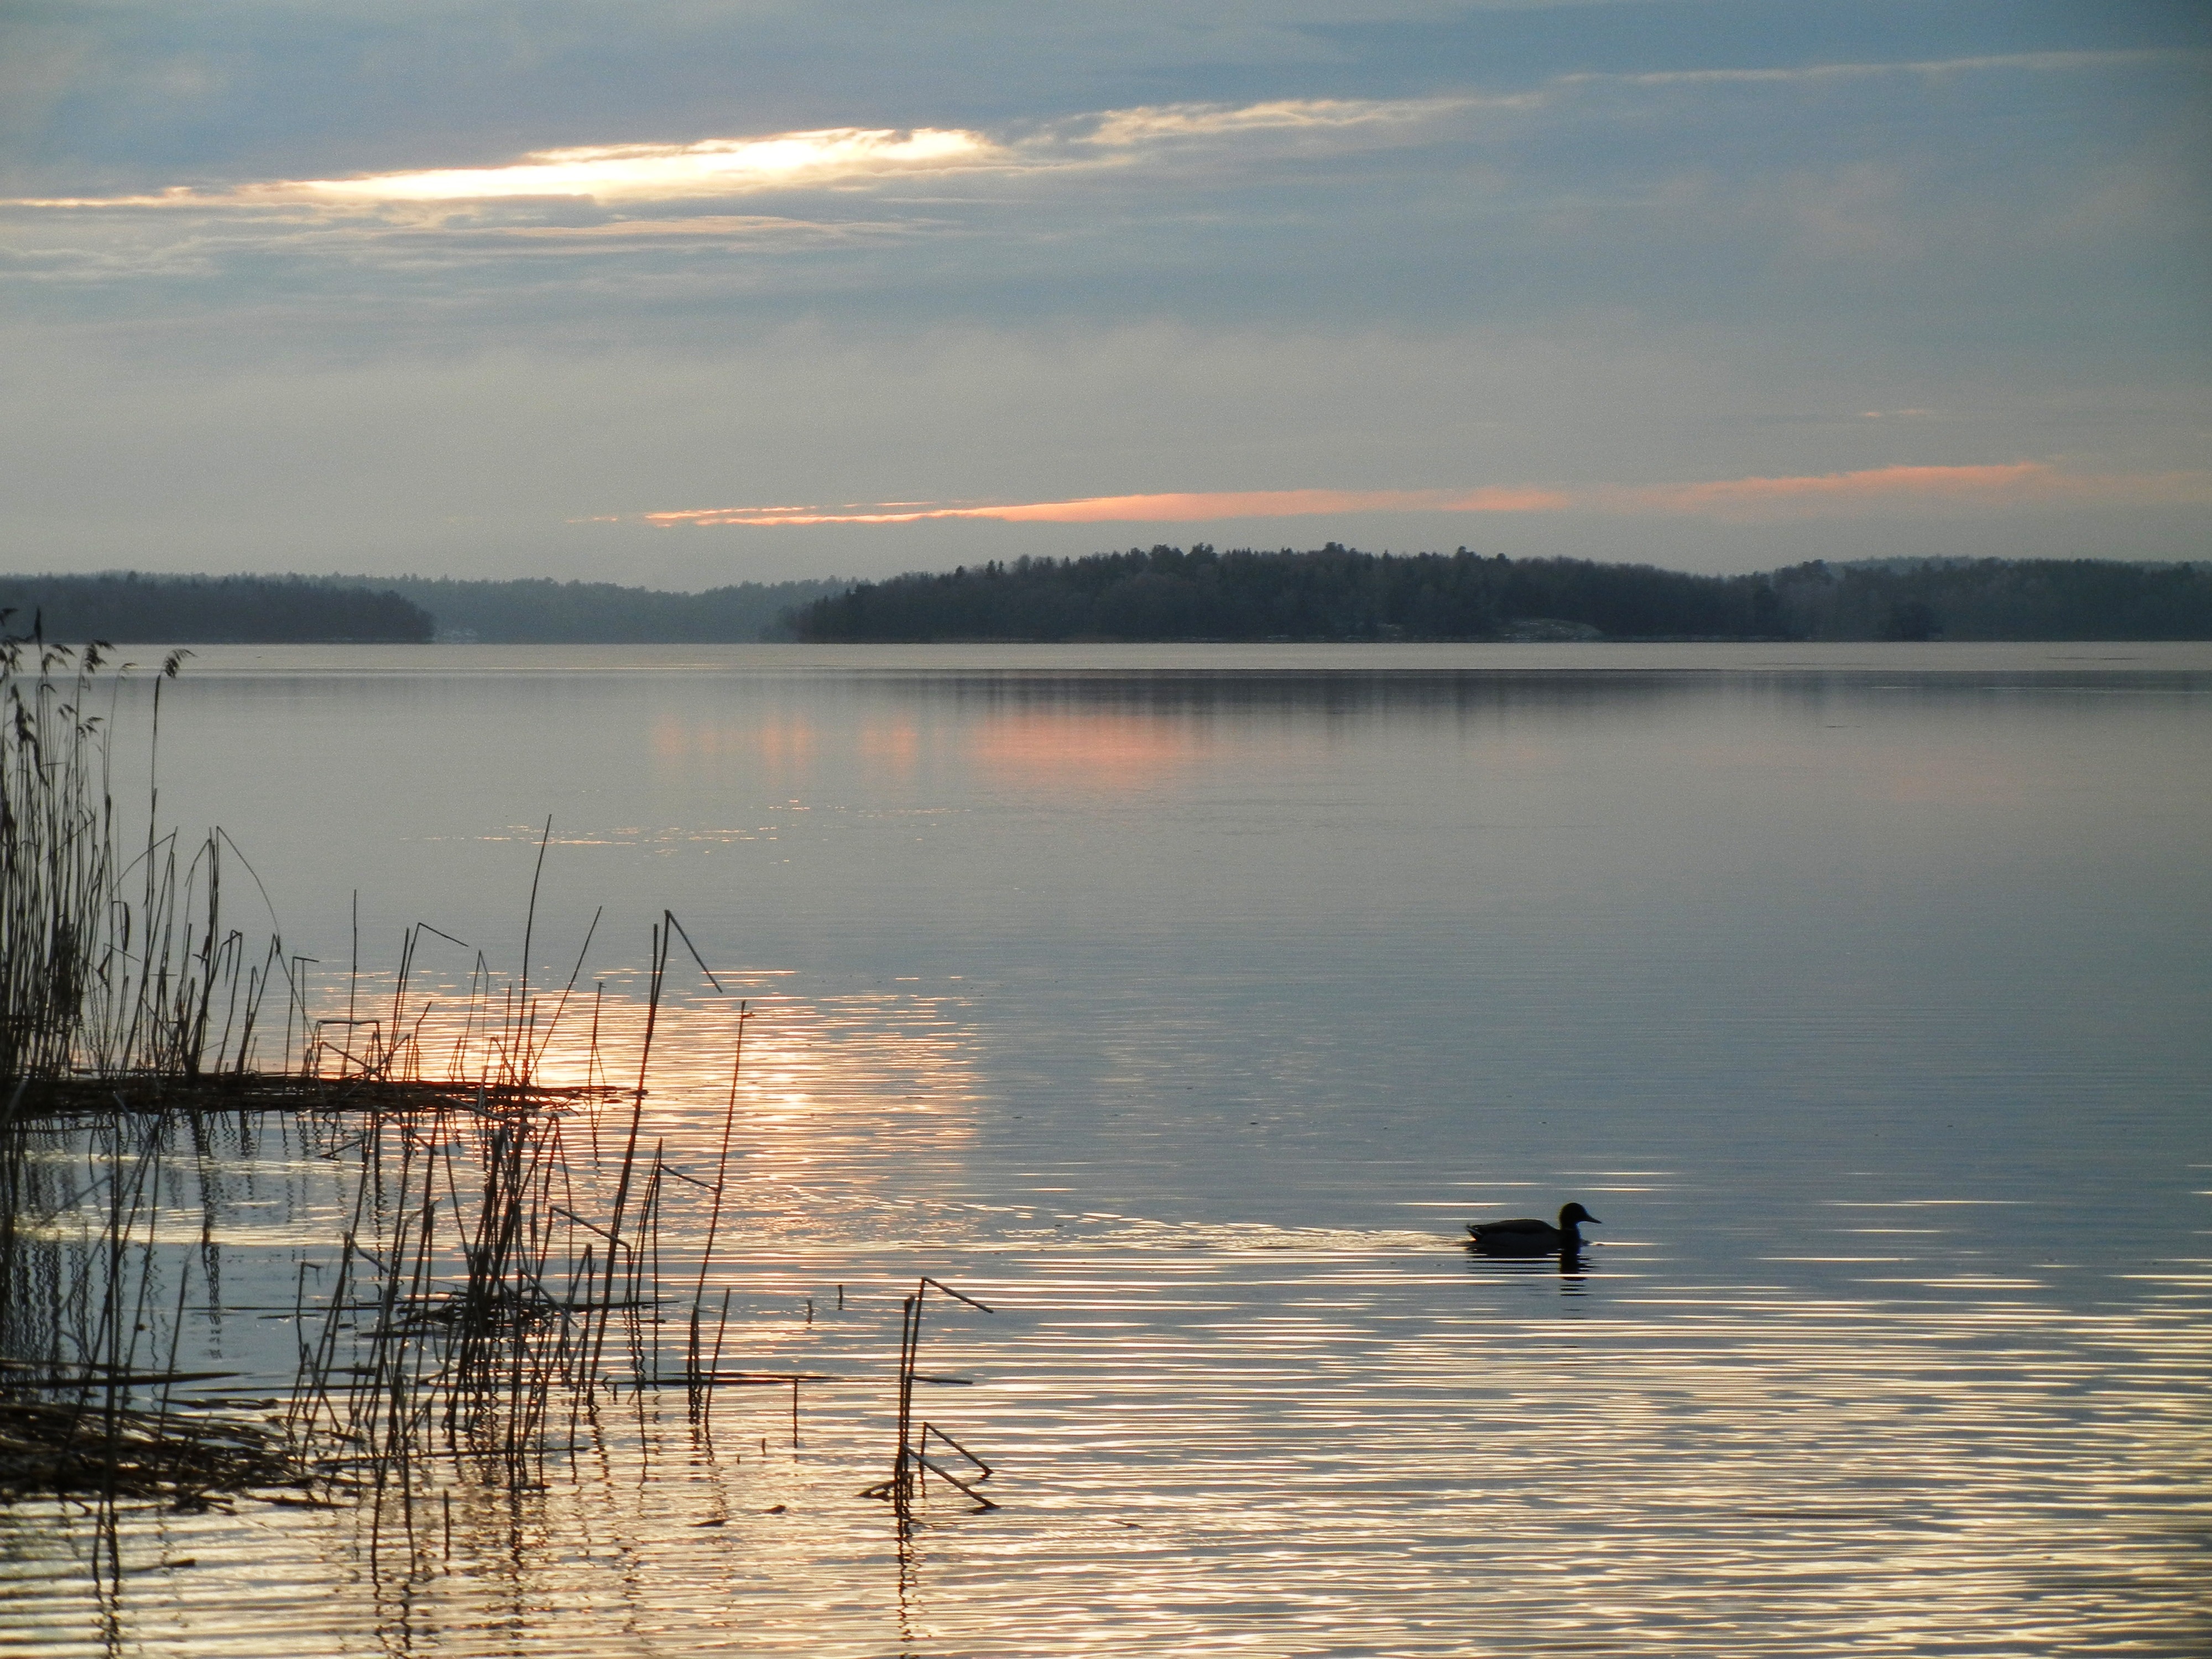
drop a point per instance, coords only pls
(682, 293)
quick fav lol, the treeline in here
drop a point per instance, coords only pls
(1165, 594)
(132, 608)
(1997, 599)
(1336, 593)
(539, 611)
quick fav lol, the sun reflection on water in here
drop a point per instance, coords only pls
(1215, 1434)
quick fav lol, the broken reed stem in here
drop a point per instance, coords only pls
(909, 1462)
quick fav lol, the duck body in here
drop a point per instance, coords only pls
(1526, 1235)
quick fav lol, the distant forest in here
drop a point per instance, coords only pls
(1338, 593)
(130, 608)
(538, 611)
(1165, 594)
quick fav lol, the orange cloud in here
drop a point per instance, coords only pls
(1194, 508)
(2016, 484)
(1275, 504)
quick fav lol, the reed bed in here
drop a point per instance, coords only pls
(185, 1459)
(114, 959)
(495, 1275)
(497, 1281)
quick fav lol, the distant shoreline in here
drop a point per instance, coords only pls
(1331, 595)
(1337, 594)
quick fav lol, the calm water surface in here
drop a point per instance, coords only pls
(1182, 1004)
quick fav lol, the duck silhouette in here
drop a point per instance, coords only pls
(1528, 1237)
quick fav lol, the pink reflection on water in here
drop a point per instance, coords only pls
(1064, 748)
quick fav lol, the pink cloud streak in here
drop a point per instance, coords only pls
(1192, 507)
(1831, 494)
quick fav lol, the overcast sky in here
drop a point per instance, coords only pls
(685, 292)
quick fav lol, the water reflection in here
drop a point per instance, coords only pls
(1204, 1432)
(1183, 1017)
(1572, 1268)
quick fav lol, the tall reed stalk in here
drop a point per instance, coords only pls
(112, 962)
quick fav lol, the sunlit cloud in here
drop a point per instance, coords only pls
(1151, 123)
(716, 166)
(1838, 494)
(712, 168)
(836, 157)
(724, 167)
(1190, 507)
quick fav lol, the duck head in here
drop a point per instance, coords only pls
(1572, 1215)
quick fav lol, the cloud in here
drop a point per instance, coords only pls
(707, 224)
(1053, 278)
(721, 167)
(1194, 507)
(2018, 483)
(1431, 209)
(715, 167)
(833, 158)
(712, 168)
(1130, 129)
(2045, 63)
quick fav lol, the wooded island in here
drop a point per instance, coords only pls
(1338, 593)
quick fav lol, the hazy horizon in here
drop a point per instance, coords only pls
(804, 578)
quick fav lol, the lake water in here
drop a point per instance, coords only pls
(1181, 1004)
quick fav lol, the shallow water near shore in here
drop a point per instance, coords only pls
(1181, 1005)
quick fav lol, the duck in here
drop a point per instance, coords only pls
(1528, 1237)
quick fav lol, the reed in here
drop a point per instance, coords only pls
(127, 1009)
(87, 1389)
(911, 1463)
(498, 1273)
(114, 959)
(499, 1276)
